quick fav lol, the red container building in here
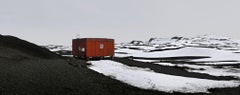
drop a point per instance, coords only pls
(92, 47)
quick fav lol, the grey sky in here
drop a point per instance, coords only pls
(58, 21)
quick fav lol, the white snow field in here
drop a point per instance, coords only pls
(224, 71)
(214, 54)
(58, 47)
(217, 48)
(209, 41)
(147, 79)
(126, 52)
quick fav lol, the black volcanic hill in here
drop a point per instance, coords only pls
(28, 69)
(26, 47)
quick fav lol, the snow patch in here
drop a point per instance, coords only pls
(224, 71)
(147, 79)
(215, 55)
(58, 47)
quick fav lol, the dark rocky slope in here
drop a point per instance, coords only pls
(27, 69)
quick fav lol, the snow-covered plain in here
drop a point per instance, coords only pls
(207, 41)
(220, 72)
(58, 47)
(147, 79)
(211, 70)
(220, 50)
(214, 54)
(217, 48)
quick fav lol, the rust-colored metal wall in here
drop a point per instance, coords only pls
(92, 47)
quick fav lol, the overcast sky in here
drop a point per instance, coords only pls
(59, 21)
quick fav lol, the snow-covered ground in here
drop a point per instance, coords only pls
(211, 70)
(217, 48)
(217, 51)
(214, 54)
(147, 79)
(126, 52)
(207, 41)
(58, 48)
(225, 71)
(203, 41)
